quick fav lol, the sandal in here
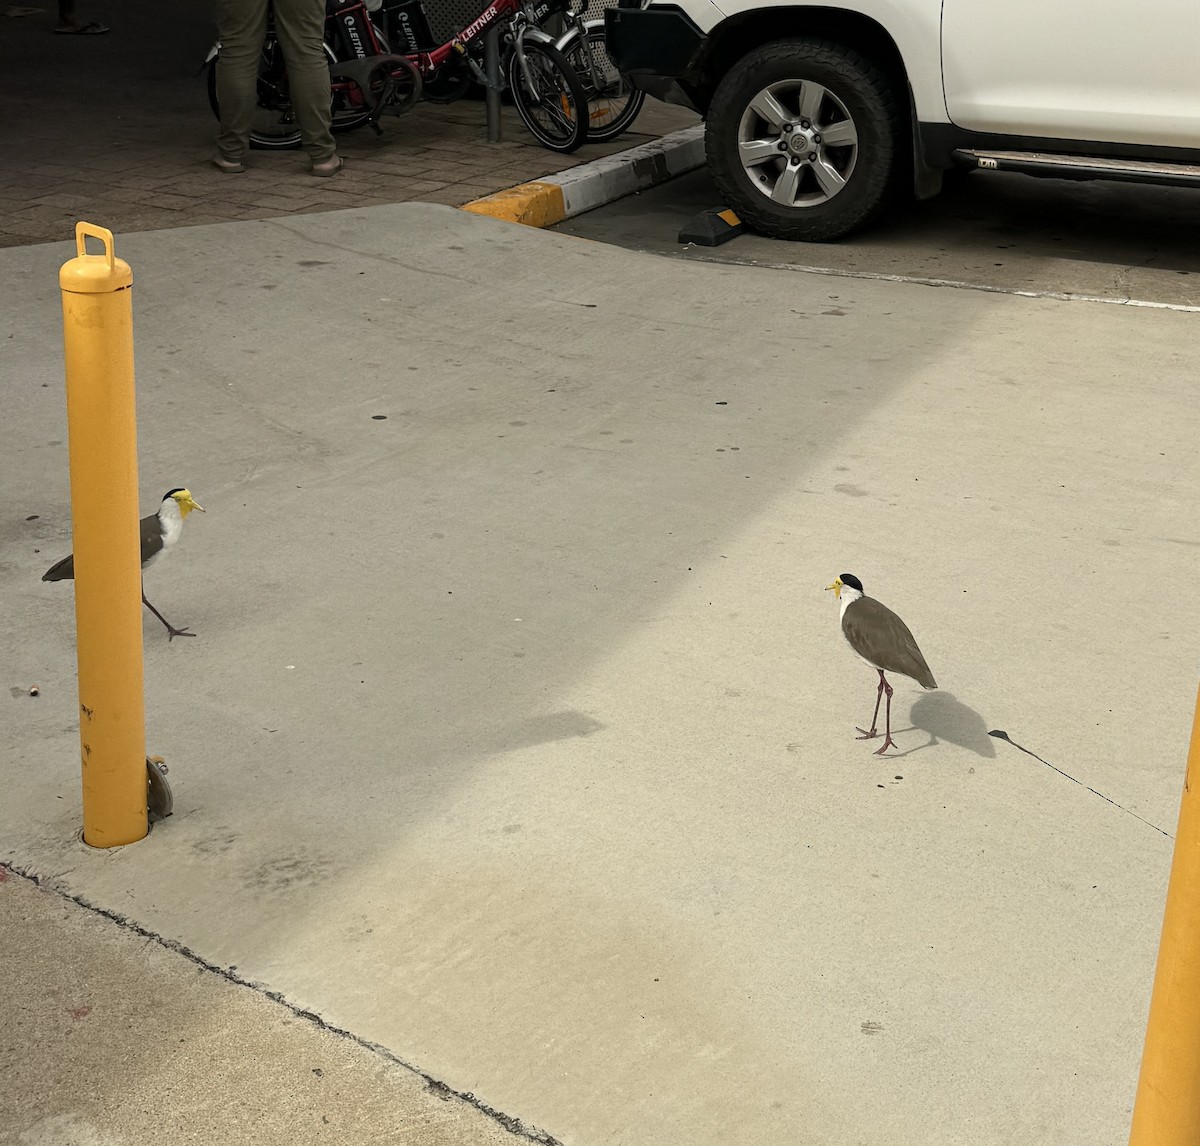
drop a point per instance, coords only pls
(329, 167)
(229, 166)
(91, 28)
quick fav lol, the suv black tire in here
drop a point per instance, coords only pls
(864, 93)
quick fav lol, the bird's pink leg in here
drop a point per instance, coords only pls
(172, 631)
(875, 715)
(888, 742)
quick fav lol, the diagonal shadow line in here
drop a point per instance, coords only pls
(1000, 734)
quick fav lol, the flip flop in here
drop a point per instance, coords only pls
(91, 28)
(321, 172)
(229, 166)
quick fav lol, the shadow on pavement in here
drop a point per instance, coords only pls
(1001, 231)
(945, 717)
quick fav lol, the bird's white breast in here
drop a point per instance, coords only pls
(170, 521)
(847, 597)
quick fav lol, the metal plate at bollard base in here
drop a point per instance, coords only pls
(159, 801)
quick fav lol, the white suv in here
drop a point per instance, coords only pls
(818, 115)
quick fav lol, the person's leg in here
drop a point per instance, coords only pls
(241, 28)
(68, 22)
(301, 25)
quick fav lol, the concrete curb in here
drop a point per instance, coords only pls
(557, 197)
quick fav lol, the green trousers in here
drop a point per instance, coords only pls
(241, 27)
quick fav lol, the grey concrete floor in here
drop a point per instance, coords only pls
(110, 1038)
(518, 736)
(1117, 241)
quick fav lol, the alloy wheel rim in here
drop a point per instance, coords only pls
(797, 144)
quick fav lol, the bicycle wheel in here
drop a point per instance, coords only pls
(555, 110)
(274, 126)
(613, 103)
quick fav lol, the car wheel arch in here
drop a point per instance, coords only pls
(741, 33)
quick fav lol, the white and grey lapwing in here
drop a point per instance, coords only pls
(158, 533)
(880, 638)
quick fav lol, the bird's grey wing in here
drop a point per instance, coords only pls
(877, 634)
(152, 541)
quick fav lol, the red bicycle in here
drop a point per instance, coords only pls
(368, 80)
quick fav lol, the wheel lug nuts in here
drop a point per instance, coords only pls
(816, 139)
(781, 145)
(812, 155)
(804, 124)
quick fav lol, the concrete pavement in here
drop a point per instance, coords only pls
(1120, 242)
(518, 735)
(109, 1038)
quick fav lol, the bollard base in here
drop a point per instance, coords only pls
(160, 802)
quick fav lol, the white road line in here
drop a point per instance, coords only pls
(919, 280)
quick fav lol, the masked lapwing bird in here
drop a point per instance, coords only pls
(881, 639)
(159, 532)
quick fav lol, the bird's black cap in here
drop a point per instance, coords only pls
(852, 581)
(179, 489)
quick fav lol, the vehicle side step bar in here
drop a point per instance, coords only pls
(1080, 167)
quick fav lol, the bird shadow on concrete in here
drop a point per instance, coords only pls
(945, 717)
(543, 729)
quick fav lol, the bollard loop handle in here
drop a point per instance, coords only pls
(82, 230)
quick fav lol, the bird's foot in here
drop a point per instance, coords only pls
(173, 632)
(865, 734)
(887, 743)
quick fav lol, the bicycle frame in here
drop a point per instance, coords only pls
(514, 12)
(577, 28)
(358, 52)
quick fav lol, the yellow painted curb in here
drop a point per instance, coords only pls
(534, 204)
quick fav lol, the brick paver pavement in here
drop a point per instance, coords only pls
(117, 129)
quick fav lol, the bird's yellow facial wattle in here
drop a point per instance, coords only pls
(836, 587)
(186, 502)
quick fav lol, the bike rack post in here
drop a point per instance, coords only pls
(102, 439)
(491, 64)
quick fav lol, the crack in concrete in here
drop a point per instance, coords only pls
(298, 232)
(513, 1125)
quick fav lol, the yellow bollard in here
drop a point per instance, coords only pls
(1167, 1109)
(102, 432)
